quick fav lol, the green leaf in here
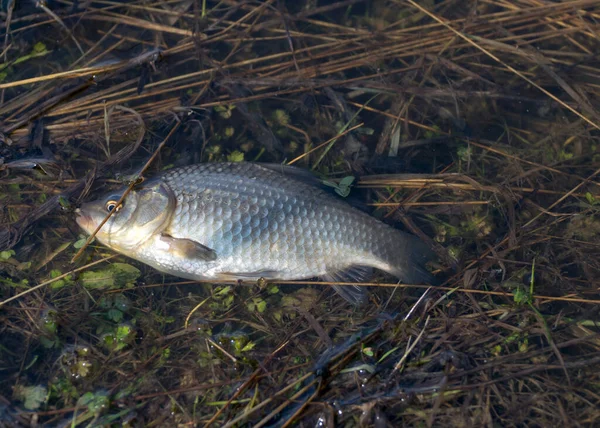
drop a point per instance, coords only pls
(235, 156)
(223, 291)
(64, 202)
(95, 403)
(21, 284)
(521, 296)
(368, 351)
(248, 347)
(224, 111)
(591, 199)
(114, 315)
(82, 368)
(119, 339)
(106, 302)
(464, 152)
(261, 306)
(281, 117)
(122, 303)
(343, 187)
(55, 273)
(79, 243)
(239, 342)
(496, 350)
(32, 396)
(257, 304)
(347, 181)
(49, 343)
(123, 332)
(523, 346)
(116, 275)
(228, 301)
(229, 131)
(39, 47)
(57, 285)
(5, 255)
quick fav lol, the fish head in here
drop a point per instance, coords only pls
(144, 212)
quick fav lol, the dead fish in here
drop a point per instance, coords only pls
(247, 221)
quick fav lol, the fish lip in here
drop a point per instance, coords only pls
(83, 219)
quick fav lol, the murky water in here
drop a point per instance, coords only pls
(500, 192)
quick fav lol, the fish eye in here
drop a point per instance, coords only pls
(112, 205)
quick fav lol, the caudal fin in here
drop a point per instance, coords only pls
(409, 261)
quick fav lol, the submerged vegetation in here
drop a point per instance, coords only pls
(470, 124)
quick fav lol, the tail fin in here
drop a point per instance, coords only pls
(408, 261)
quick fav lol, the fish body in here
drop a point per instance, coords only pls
(247, 221)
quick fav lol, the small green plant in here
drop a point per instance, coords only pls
(118, 339)
(115, 306)
(31, 396)
(237, 343)
(225, 111)
(80, 242)
(229, 132)
(235, 156)
(116, 275)
(525, 297)
(96, 402)
(76, 362)
(367, 350)
(591, 199)
(49, 326)
(343, 187)
(6, 255)
(223, 298)
(39, 49)
(257, 304)
(59, 283)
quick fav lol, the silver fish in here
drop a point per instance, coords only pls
(230, 221)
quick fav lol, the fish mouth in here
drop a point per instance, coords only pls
(83, 220)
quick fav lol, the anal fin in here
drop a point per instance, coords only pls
(354, 294)
(250, 276)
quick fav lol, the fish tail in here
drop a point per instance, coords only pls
(408, 259)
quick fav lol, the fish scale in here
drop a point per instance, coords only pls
(248, 221)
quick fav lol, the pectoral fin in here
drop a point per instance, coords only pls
(186, 248)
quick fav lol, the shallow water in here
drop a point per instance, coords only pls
(501, 195)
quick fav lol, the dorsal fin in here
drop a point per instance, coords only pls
(309, 178)
(296, 173)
